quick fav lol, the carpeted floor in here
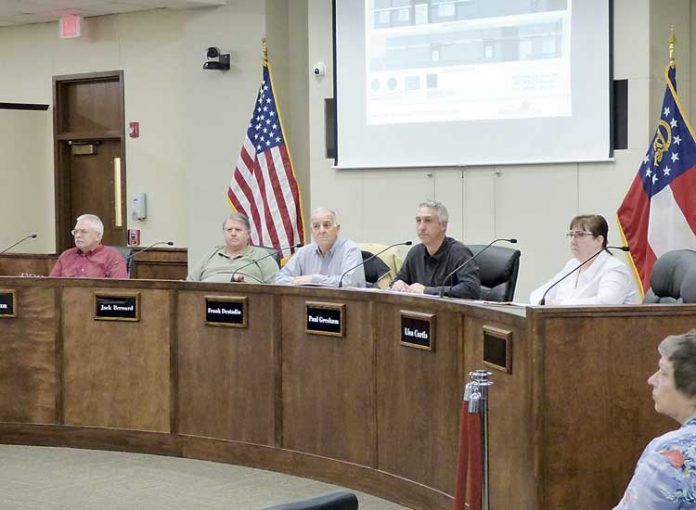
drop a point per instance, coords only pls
(33, 478)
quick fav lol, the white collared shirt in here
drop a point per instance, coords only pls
(607, 281)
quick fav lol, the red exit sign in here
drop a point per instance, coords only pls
(70, 26)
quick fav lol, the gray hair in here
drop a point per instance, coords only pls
(680, 350)
(441, 210)
(325, 210)
(97, 224)
(240, 217)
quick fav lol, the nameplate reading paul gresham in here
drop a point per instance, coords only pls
(121, 307)
(418, 330)
(7, 303)
(226, 311)
(325, 319)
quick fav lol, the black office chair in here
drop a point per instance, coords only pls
(498, 269)
(668, 275)
(374, 269)
(341, 500)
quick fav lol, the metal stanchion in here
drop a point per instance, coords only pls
(471, 481)
(478, 403)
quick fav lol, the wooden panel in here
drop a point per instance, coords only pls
(418, 399)
(511, 411)
(27, 358)
(328, 384)
(598, 412)
(116, 373)
(226, 375)
(91, 106)
(24, 264)
(161, 264)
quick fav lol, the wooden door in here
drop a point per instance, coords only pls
(89, 142)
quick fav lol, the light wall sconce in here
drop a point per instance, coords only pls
(215, 61)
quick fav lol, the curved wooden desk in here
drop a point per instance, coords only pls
(362, 410)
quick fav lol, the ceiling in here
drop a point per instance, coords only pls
(22, 12)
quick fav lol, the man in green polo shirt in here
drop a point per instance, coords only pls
(236, 261)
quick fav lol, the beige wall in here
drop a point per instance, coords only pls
(193, 122)
(26, 180)
(532, 202)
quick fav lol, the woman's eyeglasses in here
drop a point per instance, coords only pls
(579, 234)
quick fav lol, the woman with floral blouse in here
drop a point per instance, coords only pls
(665, 476)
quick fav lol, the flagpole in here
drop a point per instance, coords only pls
(264, 45)
(672, 43)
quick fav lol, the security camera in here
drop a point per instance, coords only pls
(319, 69)
(216, 61)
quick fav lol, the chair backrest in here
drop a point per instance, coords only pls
(498, 269)
(667, 276)
(341, 500)
(374, 268)
(391, 259)
(127, 251)
(688, 288)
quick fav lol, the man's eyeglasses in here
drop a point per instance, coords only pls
(579, 234)
(81, 231)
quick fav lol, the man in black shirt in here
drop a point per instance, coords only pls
(427, 264)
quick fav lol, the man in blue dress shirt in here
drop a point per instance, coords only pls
(324, 261)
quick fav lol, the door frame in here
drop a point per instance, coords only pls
(63, 202)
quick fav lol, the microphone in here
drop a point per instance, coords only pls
(467, 261)
(30, 236)
(542, 302)
(402, 243)
(274, 251)
(130, 257)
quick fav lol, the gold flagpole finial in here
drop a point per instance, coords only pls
(672, 43)
(265, 50)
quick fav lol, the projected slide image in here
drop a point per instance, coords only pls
(465, 60)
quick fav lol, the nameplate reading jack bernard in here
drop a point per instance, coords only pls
(117, 307)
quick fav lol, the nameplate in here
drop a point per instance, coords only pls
(7, 304)
(117, 307)
(418, 330)
(325, 319)
(226, 311)
(497, 349)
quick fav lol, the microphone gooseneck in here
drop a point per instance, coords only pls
(542, 301)
(30, 236)
(469, 260)
(402, 243)
(272, 252)
(127, 259)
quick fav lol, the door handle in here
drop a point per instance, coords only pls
(118, 222)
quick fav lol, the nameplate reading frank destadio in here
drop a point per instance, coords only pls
(118, 307)
(226, 311)
(325, 319)
(7, 304)
(418, 330)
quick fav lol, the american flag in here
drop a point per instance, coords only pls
(659, 212)
(263, 184)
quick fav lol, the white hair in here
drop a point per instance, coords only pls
(97, 224)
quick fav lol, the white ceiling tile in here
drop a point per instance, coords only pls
(20, 12)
